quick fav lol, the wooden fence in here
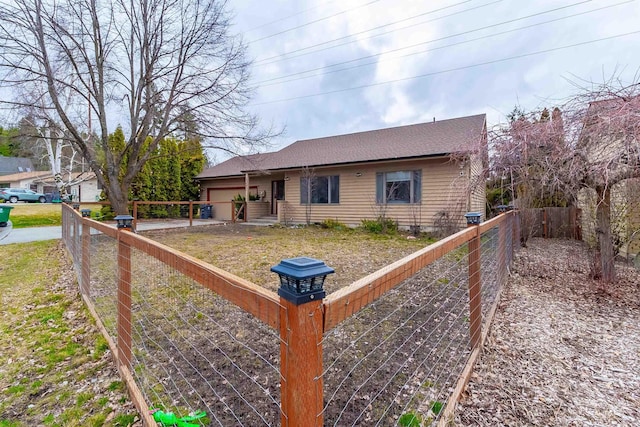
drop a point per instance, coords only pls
(552, 222)
(236, 211)
(300, 327)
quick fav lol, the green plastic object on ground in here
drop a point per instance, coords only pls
(4, 215)
(171, 419)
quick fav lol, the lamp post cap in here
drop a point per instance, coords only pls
(302, 279)
(302, 267)
(473, 218)
(124, 222)
(123, 217)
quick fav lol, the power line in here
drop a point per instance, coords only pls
(262, 83)
(466, 67)
(383, 26)
(289, 16)
(434, 40)
(313, 22)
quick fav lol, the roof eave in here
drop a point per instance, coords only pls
(359, 162)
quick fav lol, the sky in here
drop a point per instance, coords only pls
(323, 68)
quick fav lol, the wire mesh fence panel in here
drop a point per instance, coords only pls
(103, 279)
(77, 245)
(400, 356)
(194, 351)
(490, 268)
(509, 241)
(72, 236)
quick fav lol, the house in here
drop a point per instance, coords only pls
(27, 180)
(610, 139)
(415, 175)
(82, 185)
(14, 165)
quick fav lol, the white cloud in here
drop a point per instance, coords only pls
(494, 89)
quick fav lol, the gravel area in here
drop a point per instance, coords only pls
(563, 350)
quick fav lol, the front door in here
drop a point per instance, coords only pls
(277, 193)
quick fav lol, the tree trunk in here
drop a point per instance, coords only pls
(604, 249)
(118, 199)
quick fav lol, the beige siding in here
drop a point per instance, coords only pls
(478, 186)
(443, 189)
(258, 209)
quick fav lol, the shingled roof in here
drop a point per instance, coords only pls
(17, 177)
(403, 142)
(11, 165)
(235, 165)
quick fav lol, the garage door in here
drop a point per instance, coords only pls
(224, 194)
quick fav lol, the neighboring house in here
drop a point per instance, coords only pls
(83, 186)
(618, 153)
(625, 216)
(413, 174)
(14, 165)
(27, 180)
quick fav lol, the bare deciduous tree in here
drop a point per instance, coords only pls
(594, 144)
(60, 155)
(309, 183)
(146, 64)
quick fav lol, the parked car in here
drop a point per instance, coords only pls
(15, 195)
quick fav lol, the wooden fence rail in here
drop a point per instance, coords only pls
(301, 327)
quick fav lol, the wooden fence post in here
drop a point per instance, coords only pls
(301, 322)
(517, 228)
(124, 301)
(475, 286)
(301, 363)
(190, 213)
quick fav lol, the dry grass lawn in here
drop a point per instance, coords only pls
(55, 367)
(249, 251)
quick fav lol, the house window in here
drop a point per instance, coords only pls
(320, 189)
(398, 187)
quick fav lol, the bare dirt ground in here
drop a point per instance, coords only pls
(563, 351)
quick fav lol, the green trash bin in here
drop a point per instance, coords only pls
(5, 210)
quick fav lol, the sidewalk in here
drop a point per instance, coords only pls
(9, 235)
